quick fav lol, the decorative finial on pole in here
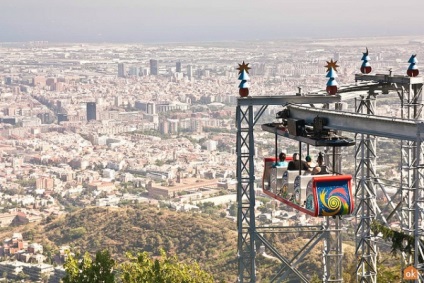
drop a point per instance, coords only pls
(365, 67)
(331, 74)
(412, 69)
(244, 77)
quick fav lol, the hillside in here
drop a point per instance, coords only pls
(200, 237)
(209, 240)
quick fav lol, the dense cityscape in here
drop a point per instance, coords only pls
(86, 125)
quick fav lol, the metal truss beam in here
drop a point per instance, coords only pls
(348, 88)
(359, 123)
(287, 99)
(389, 79)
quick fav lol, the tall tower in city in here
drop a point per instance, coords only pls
(153, 67)
(178, 67)
(121, 70)
(91, 111)
(61, 117)
(189, 71)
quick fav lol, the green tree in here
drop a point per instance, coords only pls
(142, 268)
(45, 277)
(87, 271)
(315, 279)
(233, 209)
(22, 276)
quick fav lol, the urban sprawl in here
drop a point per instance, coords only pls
(111, 124)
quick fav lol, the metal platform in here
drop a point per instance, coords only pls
(333, 141)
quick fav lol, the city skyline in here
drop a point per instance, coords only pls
(188, 20)
(94, 129)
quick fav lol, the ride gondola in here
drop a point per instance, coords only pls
(316, 195)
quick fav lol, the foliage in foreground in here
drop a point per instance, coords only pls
(401, 242)
(137, 269)
(142, 268)
(86, 270)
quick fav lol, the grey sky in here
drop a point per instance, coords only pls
(205, 20)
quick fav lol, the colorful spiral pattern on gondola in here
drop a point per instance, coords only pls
(333, 198)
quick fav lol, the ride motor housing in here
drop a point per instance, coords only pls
(296, 127)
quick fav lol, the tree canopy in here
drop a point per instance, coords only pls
(137, 269)
(87, 271)
(142, 268)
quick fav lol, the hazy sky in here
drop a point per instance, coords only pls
(205, 20)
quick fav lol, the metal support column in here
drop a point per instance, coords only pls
(332, 248)
(332, 251)
(411, 176)
(245, 195)
(419, 205)
(365, 156)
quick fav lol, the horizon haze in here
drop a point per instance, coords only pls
(129, 21)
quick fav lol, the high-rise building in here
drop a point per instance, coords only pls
(118, 100)
(121, 70)
(44, 118)
(151, 108)
(337, 56)
(154, 67)
(164, 127)
(134, 71)
(178, 67)
(91, 111)
(62, 117)
(189, 71)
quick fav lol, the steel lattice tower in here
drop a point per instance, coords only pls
(248, 235)
(365, 157)
(409, 210)
(411, 175)
(246, 195)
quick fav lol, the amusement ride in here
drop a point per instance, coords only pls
(318, 120)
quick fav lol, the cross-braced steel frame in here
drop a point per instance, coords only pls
(412, 213)
(365, 157)
(248, 235)
(246, 195)
(398, 129)
(419, 205)
(410, 210)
